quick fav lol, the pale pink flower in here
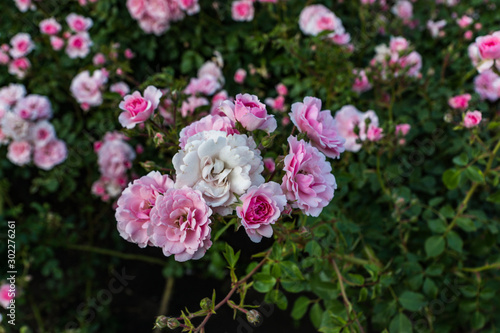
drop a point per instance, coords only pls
(281, 89)
(484, 85)
(403, 9)
(78, 23)
(6, 295)
(250, 113)
(402, 129)
(277, 103)
(191, 7)
(489, 46)
(4, 58)
(212, 69)
(21, 45)
(468, 35)
(41, 133)
(191, 104)
(269, 164)
(435, 27)
(261, 207)
(24, 5)
(242, 10)
(115, 157)
(412, 63)
(120, 87)
(99, 59)
(374, 133)
(129, 54)
(472, 118)
(217, 99)
(361, 83)
(308, 183)
(19, 67)
(207, 123)
(78, 46)
(135, 204)
(138, 109)
(87, 89)
(348, 119)
(398, 44)
(317, 18)
(50, 155)
(474, 55)
(136, 8)
(33, 107)
(320, 126)
(340, 38)
(464, 21)
(240, 76)
(19, 152)
(49, 26)
(57, 43)
(207, 85)
(15, 127)
(180, 224)
(12, 93)
(459, 101)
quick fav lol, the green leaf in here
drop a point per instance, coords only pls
(478, 320)
(263, 283)
(437, 226)
(434, 246)
(451, 178)
(400, 324)
(412, 301)
(300, 307)
(231, 258)
(466, 224)
(454, 241)
(356, 278)
(277, 297)
(430, 288)
(495, 197)
(316, 314)
(276, 252)
(363, 294)
(461, 159)
(474, 174)
(313, 248)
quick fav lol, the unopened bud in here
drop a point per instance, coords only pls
(159, 139)
(254, 317)
(148, 165)
(166, 322)
(268, 141)
(206, 304)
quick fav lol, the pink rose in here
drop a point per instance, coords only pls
(348, 119)
(56, 43)
(472, 118)
(242, 10)
(129, 54)
(6, 295)
(115, 157)
(50, 155)
(361, 83)
(484, 85)
(402, 129)
(403, 9)
(138, 109)
(374, 133)
(319, 125)
(120, 87)
(41, 133)
(99, 59)
(19, 152)
(269, 164)
(218, 98)
(4, 58)
(191, 7)
(12, 93)
(240, 76)
(19, 67)
(206, 123)
(24, 5)
(180, 224)
(468, 34)
(411, 63)
(15, 127)
(317, 18)
(78, 23)
(87, 89)
(136, 8)
(212, 69)
(250, 113)
(281, 89)
(398, 44)
(206, 85)
(49, 26)
(489, 46)
(460, 101)
(191, 104)
(262, 206)
(78, 45)
(33, 107)
(135, 204)
(435, 27)
(21, 45)
(464, 21)
(308, 183)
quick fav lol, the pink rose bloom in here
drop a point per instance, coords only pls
(15, 127)
(412, 63)
(87, 89)
(374, 133)
(250, 113)
(99, 59)
(218, 98)
(361, 83)
(23, 5)
(281, 89)
(50, 155)
(136, 8)
(240, 76)
(212, 69)
(402, 129)
(138, 109)
(191, 7)
(348, 118)
(206, 123)
(262, 206)
(308, 183)
(21, 45)
(474, 55)
(78, 45)
(464, 21)
(41, 133)
(460, 101)
(114, 158)
(33, 107)
(135, 204)
(180, 224)
(319, 125)
(435, 27)
(317, 18)
(12, 93)
(403, 9)
(49, 26)
(398, 44)
(277, 103)
(78, 23)
(56, 43)
(192, 103)
(206, 85)
(4, 58)
(468, 34)
(120, 87)
(6, 295)
(472, 118)
(242, 10)
(489, 46)
(19, 67)
(19, 152)
(341, 38)
(269, 164)
(484, 85)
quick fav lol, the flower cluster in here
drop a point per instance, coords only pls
(14, 56)
(486, 52)
(87, 89)
(356, 126)
(25, 126)
(114, 156)
(396, 59)
(315, 19)
(278, 103)
(155, 16)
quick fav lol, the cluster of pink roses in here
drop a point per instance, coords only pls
(278, 103)
(461, 103)
(315, 19)
(244, 11)
(396, 59)
(25, 127)
(485, 52)
(218, 170)
(78, 41)
(14, 56)
(114, 157)
(155, 16)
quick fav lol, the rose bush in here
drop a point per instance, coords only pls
(332, 162)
